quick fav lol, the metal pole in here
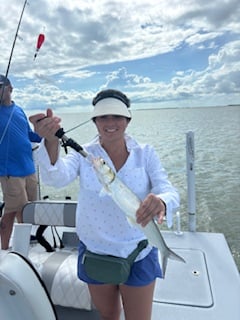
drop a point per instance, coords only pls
(190, 158)
(34, 148)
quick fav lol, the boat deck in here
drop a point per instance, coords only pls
(207, 286)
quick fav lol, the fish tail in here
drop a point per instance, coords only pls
(169, 255)
(164, 265)
(172, 255)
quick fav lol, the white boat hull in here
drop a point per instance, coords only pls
(22, 293)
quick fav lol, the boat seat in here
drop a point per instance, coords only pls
(22, 292)
(58, 269)
(51, 213)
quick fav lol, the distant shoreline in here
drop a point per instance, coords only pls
(200, 107)
(88, 111)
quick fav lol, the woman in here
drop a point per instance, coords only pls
(101, 225)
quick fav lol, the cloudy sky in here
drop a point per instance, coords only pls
(161, 53)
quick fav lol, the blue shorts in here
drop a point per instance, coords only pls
(143, 272)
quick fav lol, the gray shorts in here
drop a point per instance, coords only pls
(17, 191)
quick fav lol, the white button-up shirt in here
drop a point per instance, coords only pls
(100, 223)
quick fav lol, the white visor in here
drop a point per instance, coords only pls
(111, 106)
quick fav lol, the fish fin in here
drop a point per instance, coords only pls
(104, 191)
(131, 221)
(164, 265)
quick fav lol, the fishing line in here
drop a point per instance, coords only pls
(6, 127)
(64, 143)
(79, 125)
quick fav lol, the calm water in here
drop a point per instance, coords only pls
(217, 159)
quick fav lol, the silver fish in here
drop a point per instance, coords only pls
(129, 203)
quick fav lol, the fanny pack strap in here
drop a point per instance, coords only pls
(141, 245)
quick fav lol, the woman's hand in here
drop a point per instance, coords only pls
(151, 207)
(46, 125)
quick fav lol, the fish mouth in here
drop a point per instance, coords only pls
(96, 163)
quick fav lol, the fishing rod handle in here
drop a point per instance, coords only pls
(70, 142)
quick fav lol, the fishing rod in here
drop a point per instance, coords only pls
(68, 142)
(40, 41)
(13, 46)
(14, 41)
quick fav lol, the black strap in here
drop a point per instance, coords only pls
(141, 245)
(2, 204)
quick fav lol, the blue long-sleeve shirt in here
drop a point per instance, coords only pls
(15, 142)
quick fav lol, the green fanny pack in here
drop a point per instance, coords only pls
(110, 269)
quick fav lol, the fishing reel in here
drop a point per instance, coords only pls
(68, 142)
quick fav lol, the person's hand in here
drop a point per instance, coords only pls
(46, 125)
(151, 207)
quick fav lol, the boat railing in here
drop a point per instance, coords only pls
(191, 194)
(190, 168)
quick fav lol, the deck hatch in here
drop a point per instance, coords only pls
(185, 283)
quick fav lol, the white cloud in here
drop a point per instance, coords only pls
(83, 38)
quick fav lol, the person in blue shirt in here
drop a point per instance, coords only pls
(17, 170)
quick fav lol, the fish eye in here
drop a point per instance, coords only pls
(103, 161)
